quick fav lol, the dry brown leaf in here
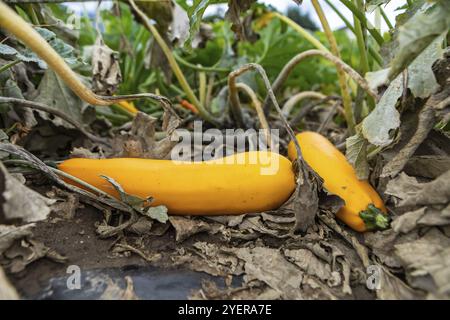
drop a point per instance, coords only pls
(9, 234)
(141, 142)
(13, 206)
(425, 216)
(185, 227)
(427, 262)
(311, 265)
(114, 292)
(7, 290)
(24, 252)
(269, 265)
(392, 288)
(382, 244)
(106, 73)
(429, 167)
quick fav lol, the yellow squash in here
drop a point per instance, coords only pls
(128, 106)
(364, 209)
(241, 183)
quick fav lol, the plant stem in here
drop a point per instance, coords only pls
(198, 67)
(233, 97)
(364, 62)
(339, 13)
(306, 34)
(386, 19)
(346, 98)
(360, 15)
(202, 87)
(39, 106)
(374, 218)
(375, 55)
(295, 99)
(9, 65)
(259, 110)
(284, 74)
(174, 65)
(359, 32)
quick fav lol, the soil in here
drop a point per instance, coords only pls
(77, 241)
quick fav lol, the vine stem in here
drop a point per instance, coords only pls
(174, 65)
(375, 55)
(9, 65)
(285, 72)
(199, 67)
(202, 87)
(233, 97)
(364, 62)
(259, 111)
(359, 32)
(360, 15)
(254, 66)
(33, 162)
(39, 106)
(386, 18)
(304, 33)
(346, 98)
(295, 99)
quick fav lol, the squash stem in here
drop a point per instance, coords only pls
(374, 218)
(174, 66)
(346, 98)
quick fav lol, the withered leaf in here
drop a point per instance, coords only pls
(106, 73)
(13, 207)
(7, 290)
(427, 261)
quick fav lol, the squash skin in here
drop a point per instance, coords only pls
(339, 177)
(187, 188)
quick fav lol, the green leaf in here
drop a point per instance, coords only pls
(418, 33)
(385, 117)
(139, 204)
(53, 92)
(66, 51)
(158, 213)
(357, 154)
(26, 56)
(7, 50)
(133, 201)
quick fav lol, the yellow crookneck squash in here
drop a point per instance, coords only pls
(364, 209)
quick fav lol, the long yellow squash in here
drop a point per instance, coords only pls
(243, 183)
(364, 209)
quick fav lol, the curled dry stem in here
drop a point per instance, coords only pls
(306, 109)
(42, 107)
(32, 161)
(234, 95)
(328, 117)
(295, 99)
(257, 105)
(284, 74)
